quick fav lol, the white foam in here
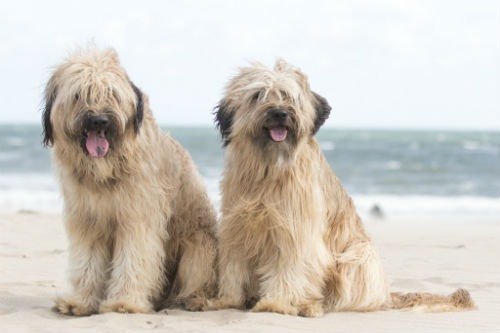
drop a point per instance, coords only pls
(9, 155)
(327, 145)
(35, 200)
(392, 165)
(476, 146)
(429, 205)
(39, 192)
(29, 192)
(470, 145)
(15, 141)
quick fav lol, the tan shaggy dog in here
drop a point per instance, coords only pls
(141, 227)
(290, 238)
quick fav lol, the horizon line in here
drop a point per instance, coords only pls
(334, 127)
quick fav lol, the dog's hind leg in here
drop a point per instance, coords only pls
(234, 277)
(287, 288)
(357, 281)
(196, 277)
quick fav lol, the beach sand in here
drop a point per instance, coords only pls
(419, 254)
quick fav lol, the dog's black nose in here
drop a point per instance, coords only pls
(279, 114)
(99, 122)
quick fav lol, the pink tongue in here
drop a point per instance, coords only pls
(278, 134)
(96, 144)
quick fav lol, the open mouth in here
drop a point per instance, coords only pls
(96, 143)
(278, 133)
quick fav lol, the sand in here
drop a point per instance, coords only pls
(434, 254)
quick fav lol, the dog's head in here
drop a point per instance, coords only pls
(275, 109)
(91, 105)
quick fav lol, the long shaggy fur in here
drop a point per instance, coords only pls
(140, 225)
(290, 237)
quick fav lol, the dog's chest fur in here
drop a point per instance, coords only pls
(287, 213)
(105, 205)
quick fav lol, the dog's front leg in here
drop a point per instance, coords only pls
(88, 258)
(137, 267)
(196, 272)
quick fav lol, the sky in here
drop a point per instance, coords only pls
(389, 64)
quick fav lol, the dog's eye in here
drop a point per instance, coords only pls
(116, 95)
(255, 97)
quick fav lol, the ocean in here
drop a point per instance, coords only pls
(402, 172)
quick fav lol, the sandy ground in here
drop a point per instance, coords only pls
(428, 254)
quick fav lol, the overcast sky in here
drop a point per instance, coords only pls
(381, 64)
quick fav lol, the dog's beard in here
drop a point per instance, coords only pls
(276, 139)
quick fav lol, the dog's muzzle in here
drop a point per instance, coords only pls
(96, 129)
(276, 124)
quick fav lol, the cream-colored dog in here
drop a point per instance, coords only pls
(289, 235)
(140, 225)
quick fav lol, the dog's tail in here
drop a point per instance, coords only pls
(460, 300)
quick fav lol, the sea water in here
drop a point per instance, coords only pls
(402, 172)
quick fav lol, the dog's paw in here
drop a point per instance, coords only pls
(124, 306)
(314, 309)
(221, 304)
(74, 306)
(268, 305)
(193, 303)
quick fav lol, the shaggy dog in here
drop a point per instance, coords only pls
(141, 227)
(290, 238)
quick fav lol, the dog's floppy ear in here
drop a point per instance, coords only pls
(50, 96)
(322, 111)
(139, 108)
(223, 121)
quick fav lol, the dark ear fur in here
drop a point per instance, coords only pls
(48, 135)
(322, 111)
(223, 121)
(139, 109)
